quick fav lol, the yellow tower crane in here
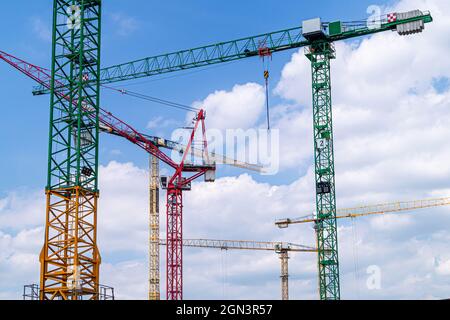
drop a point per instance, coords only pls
(392, 207)
(281, 248)
(364, 211)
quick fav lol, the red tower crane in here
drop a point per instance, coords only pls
(175, 187)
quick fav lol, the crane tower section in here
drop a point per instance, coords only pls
(70, 259)
(320, 52)
(154, 285)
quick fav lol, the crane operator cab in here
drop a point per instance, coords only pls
(313, 30)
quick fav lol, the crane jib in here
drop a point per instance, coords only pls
(246, 48)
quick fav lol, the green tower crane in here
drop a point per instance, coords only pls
(318, 39)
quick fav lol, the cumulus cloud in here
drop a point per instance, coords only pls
(382, 89)
(209, 213)
(26, 204)
(239, 108)
(19, 260)
(160, 122)
(443, 267)
(41, 29)
(123, 230)
(126, 25)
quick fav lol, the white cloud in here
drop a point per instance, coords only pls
(391, 223)
(209, 213)
(443, 268)
(382, 91)
(115, 152)
(126, 25)
(295, 83)
(129, 278)
(160, 123)
(123, 229)
(123, 208)
(239, 108)
(19, 261)
(41, 29)
(296, 145)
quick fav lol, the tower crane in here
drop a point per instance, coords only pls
(281, 248)
(318, 39)
(369, 210)
(175, 187)
(154, 292)
(154, 227)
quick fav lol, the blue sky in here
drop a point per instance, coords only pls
(391, 116)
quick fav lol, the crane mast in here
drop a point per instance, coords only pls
(175, 187)
(284, 257)
(70, 259)
(154, 276)
(320, 54)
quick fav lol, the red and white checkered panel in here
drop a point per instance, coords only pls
(85, 77)
(392, 17)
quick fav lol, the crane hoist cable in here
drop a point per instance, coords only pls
(266, 77)
(266, 56)
(142, 96)
(153, 99)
